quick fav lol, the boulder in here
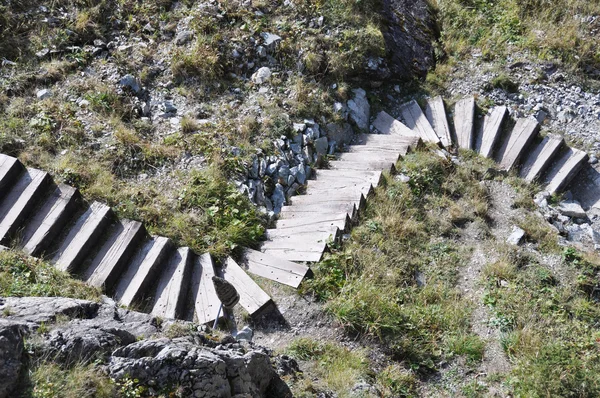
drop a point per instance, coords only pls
(340, 133)
(409, 32)
(516, 236)
(359, 109)
(262, 75)
(11, 355)
(571, 208)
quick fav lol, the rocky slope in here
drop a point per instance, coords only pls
(126, 344)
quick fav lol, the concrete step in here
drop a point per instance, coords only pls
(464, 122)
(492, 128)
(206, 302)
(273, 268)
(19, 203)
(49, 220)
(110, 261)
(435, 112)
(564, 169)
(386, 124)
(252, 297)
(173, 285)
(416, 120)
(541, 157)
(143, 269)
(10, 169)
(83, 235)
(517, 143)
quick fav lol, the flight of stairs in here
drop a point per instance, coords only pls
(52, 221)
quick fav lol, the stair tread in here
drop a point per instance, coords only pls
(276, 269)
(171, 291)
(386, 124)
(82, 236)
(492, 124)
(19, 202)
(541, 157)
(252, 297)
(435, 112)
(46, 224)
(296, 254)
(206, 302)
(141, 270)
(324, 232)
(10, 168)
(520, 137)
(110, 260)
(417, 121)
(565, 168)
(464, 122)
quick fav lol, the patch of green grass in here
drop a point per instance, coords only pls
(396, 277)
(549, 30)
(22, 275)
(338, 367)
(551, 332)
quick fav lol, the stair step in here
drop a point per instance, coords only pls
(142, 270)
(565, 168)
(173, 285)
(316, 200)
(49, 220)
(368, 157)
(341, 165)
(340, 220)
(206, 302)
(10, 168)
(435, 111)
(83, 235)
(386, 124)
(417, 121)
(541, 157)
(252, 297)
(20, 201)
(321, 232)
(520, 137)
(273, 268)
(302, 249)
(464, 122)
(492, 124)
(298, 211)
(108, 264)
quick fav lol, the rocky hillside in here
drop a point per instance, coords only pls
(202, 119)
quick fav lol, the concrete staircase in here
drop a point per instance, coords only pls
(52, 221)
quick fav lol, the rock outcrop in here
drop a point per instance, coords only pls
(134, 345)
(409, 37)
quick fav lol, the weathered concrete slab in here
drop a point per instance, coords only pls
(417, 121)
(517, 144)
(492, 125)
(541, 157)
(464, 122)
(173, 285)
(565, 168)
(435, 111)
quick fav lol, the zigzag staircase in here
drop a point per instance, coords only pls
(52, 221)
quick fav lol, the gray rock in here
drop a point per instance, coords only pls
(254, 171)
(11, 355)
(360, 110)
(245, 334)
(270, 39)
(129, 346)
(409, 37)
(402, 178)
(516, 236)
(43, 94)
(312, 133)
(131, 82)
(262, 75)
(299, 127)
(278, 198)
(299, 173)
(261, 51)
(296, 148)
(169, 107)
(571, 208)
(184, 37)
(343, 134)
(321, 146)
